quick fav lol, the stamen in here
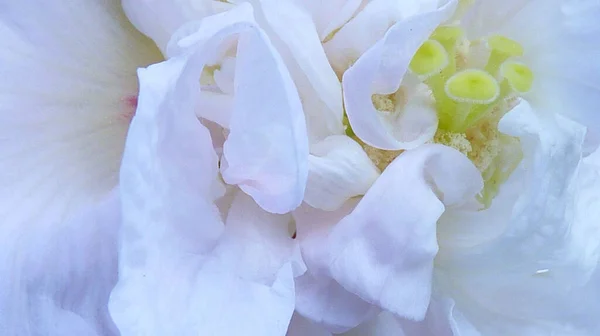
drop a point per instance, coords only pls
(518, 75)
(470, 89)
(431, 63)
(449, 36)
(429, 59)
(501, 49)
(472, 86)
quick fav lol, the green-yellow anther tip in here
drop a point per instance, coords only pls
(429, 59)
(447, 33)
(519, 76)
(505, 45)
(472, 86)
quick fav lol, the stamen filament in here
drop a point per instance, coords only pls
(501, 49)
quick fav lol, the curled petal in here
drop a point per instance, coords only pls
(183, 270)
(320, 298)
(338, 170)
(380, 70)
(266, 151)
(159, 19)
(293, 32)
(299, 326)
(383, 250)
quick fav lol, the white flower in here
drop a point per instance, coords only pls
(206, 248)
(67, 95)
(416, 244)
(378, 253)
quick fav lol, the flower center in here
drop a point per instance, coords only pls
(473, 84)
(470, 100)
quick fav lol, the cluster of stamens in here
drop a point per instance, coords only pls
(470, 99)
(464, 96)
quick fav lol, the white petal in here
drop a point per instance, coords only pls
(331, 15)
(303, 327)
(384, 324)
(383, 251)
(318, 297)
(266, 152)
(180, 267)
(380, 71)
(294, 34)
(267, 149)
(326, 303)
(215, 106)
(368, 26)
(442, 319)
(529, 277)
(57, 276)
(566, 73)
(63, 112)
(338, 169)
(159, 19)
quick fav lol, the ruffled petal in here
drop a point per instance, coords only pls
(567, 74)
(380, 70)
(181, 268)
(442, 319)
(58, 277)
(368, 26)
(320, 298)
(529, 274)
(159, 19)
(338, 170)
(293, 32)
(266, 151)
(384, 324)
(299, 326)
(383, 251)
(323, 301)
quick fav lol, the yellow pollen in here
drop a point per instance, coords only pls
(384, 103)
(457, 141)
(380, 157)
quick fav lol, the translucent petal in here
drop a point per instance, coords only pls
(183, 270)
(383, 250)
(57, 276)
(380, 70)
(338, 170)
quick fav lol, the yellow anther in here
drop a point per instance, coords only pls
(429, 59)
(518, 75)
(472, 86)
(501, 49)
